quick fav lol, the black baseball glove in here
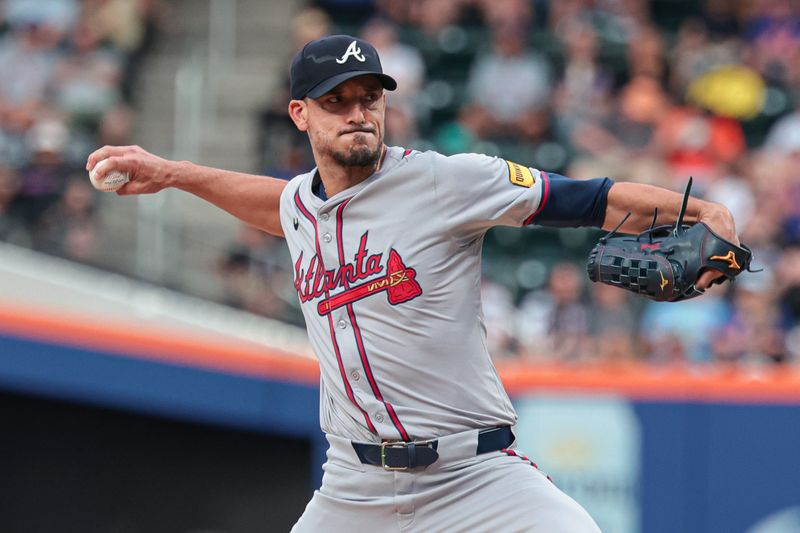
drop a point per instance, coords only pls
(664, 262)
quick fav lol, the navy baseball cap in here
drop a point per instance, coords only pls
(325, 63)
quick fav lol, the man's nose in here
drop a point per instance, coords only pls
(357, 113)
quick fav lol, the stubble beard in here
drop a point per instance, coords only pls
(359, 154)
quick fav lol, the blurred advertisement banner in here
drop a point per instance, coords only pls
(590, 446)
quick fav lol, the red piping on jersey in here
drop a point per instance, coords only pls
(525, 458)
(408, 151)
(545, 194)
(357, 331)
(347, 387)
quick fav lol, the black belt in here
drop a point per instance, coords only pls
(407, 455)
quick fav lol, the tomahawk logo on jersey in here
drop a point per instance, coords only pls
(313, 281)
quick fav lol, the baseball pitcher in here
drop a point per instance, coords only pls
(386, 246)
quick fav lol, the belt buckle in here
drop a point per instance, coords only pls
(384, 445)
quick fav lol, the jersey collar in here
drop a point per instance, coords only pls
(316, 192)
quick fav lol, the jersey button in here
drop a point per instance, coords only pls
(355, 375)
(327, 237)
(342, 324)
(379, 418)
(324, 217)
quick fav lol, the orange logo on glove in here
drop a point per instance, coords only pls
(664, 281)
(729, 258)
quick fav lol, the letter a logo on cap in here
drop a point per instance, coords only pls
(352, 50)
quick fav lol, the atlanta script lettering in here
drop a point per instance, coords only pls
(314, 281)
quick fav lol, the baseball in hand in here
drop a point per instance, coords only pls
(111, 182)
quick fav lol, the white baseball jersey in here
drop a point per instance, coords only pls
(388, 274)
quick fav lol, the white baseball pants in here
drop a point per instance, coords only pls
(495, 492)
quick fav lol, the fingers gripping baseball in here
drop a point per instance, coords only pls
(146, 172)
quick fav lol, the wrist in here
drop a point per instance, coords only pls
(178, 174)
(719, 219)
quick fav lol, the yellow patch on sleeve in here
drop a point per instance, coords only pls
(520, 175)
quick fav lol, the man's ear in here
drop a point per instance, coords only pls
(298, 111)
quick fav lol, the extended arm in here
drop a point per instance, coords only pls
(602, 203)
(642, 200)
(252, 199)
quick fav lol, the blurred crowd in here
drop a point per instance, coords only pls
(648, 91)
(67, 69)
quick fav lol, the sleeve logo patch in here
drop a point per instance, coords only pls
(519, 175)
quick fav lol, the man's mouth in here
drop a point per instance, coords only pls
(360, 130)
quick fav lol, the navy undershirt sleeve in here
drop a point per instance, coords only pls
(570, 203)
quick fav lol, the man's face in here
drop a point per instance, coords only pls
(347, 123)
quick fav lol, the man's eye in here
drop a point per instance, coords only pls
(334, 100)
